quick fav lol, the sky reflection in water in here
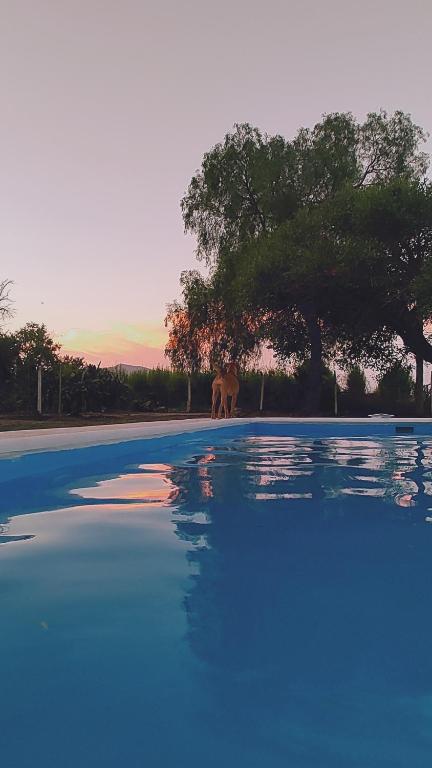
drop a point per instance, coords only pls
(264, 601)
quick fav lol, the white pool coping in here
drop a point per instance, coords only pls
(63, 438)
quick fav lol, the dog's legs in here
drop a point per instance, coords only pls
(228, 411)
(226, 407)
(223, 408)
(214, 403)
(233, 405)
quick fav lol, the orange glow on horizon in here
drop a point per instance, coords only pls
(130, 344)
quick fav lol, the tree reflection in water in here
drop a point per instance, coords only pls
(312, 572)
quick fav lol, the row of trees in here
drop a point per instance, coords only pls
(71, 386)
(283, 392)
(319, 247)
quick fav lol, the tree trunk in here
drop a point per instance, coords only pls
(407, 324)
(419, 392)
(189, 394)
(313, 394)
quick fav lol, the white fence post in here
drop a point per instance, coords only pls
(60, 391)
(261, 405)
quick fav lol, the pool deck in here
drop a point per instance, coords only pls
(23, 441)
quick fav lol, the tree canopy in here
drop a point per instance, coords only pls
(324, 240)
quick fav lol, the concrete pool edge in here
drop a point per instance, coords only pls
(17, 442)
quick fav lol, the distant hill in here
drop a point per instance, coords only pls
(126, 368)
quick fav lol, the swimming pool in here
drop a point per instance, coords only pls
(248, 596)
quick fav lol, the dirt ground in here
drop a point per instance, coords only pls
(13, 421)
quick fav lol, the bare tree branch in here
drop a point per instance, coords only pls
(6, 308)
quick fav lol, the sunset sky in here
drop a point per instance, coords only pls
(108, 107)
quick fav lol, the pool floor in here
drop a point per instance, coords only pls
(258, 602)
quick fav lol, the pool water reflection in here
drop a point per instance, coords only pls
(255, 602)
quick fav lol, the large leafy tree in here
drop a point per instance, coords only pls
(382, 242)
(361, 260)
(246, 186)
(258, 192)
(285, 274)
(384, 256)
(37, 347)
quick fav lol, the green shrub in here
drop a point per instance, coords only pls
(396, 384)
(356, 382)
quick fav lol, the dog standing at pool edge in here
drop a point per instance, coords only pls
(225, 385)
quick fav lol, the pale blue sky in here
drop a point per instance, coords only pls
(108, 107)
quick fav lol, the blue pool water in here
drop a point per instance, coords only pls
(256, 601)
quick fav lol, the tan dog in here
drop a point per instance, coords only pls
(229, 388)
(216, 391)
